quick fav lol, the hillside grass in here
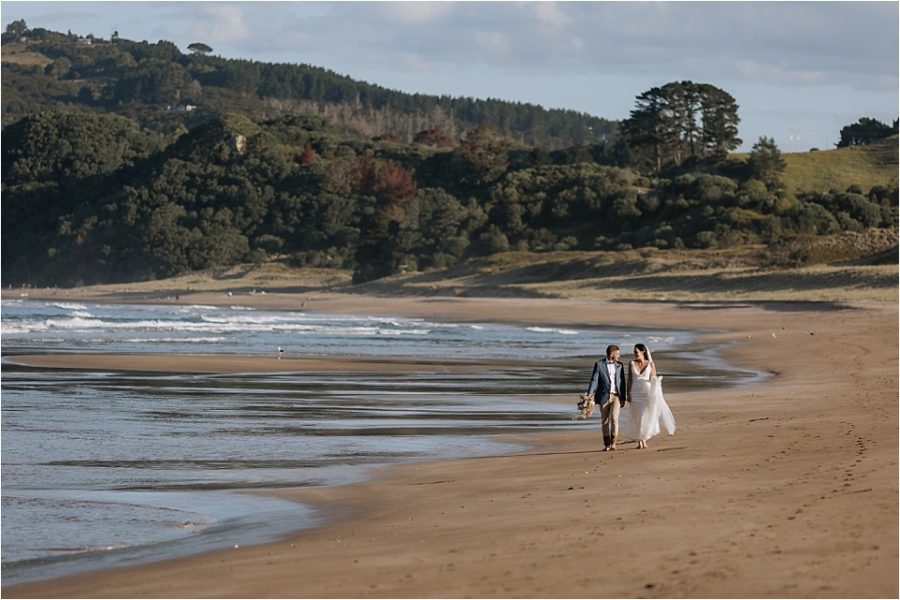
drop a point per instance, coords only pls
(821, 171)
(18, 53)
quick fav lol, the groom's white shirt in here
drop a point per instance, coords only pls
(611, 369)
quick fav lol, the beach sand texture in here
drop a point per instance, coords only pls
(787, 488)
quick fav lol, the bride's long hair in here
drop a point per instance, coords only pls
(643, 350)
(646, 351)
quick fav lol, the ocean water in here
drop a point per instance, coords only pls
(66, 326)
(111, 467)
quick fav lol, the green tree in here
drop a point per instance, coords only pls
(651, 128)
(766, 163)
(58, 68)
(681, 120)
(864, 131)
(154, 81)
(199, 48)
(720, 120)
(51, 146)
(16, 29)
(376, 255)
(440, 221)
(481, 158)
(433, 137)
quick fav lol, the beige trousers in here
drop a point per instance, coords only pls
(609, 415)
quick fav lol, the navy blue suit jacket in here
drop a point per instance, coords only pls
(600, 385)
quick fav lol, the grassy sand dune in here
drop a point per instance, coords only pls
(650, 275)
(845, 268)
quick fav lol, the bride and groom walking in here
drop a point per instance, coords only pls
(632, 405)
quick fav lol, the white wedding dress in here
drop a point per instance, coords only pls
(640, 419)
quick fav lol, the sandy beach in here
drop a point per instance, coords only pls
(788, 488)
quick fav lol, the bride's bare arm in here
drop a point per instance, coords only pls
(628, 388)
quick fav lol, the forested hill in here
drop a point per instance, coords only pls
(91, 198)
(126, 161)
(164, 89)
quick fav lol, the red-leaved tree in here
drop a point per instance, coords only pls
(390, 183)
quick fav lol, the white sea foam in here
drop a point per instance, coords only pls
(68, 306)
(552, 330)
(348, 331)
(173, 340)
(404, 331)
(204, 326)
(207, 325)
(83, 324)
(249, 319)
(20, 327)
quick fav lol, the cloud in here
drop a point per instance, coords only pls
(220, 23)
(775, 43)
(415, 63)
(412, 12)
(550, 14)
(490, 42)
(805, 43)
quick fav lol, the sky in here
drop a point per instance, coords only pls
(799, 71)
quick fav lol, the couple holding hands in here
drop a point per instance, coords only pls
(633, 405)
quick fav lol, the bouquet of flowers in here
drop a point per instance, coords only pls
(585, 406)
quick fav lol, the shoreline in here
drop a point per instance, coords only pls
(425, 529)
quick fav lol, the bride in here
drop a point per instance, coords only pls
(646, 406)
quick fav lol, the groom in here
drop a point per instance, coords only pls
(608, 388)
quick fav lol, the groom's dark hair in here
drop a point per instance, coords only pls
(610, 349)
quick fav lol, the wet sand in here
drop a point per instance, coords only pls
(219, 363)
(788, 488)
